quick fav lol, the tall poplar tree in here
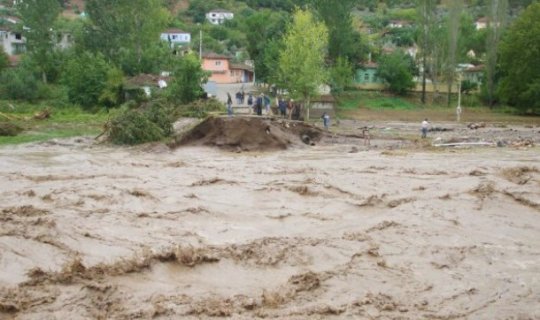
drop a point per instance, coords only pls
(427, 17)
(38, 17)
(302, 62)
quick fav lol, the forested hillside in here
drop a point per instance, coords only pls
(423, 41)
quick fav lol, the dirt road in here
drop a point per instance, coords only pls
(95, 232)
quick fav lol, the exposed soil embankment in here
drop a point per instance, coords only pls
(250, 134)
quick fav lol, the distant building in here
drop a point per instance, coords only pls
(219, 16)
(474, 74)
(366, 77)
(399, 23)
(176, 36)
(223, 71)
(320, 105)
(12, 42)
(481, 23)
(144, 83)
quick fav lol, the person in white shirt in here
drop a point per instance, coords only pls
(425, 126)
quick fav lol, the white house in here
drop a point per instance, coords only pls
(12, 42)
(176, 36)
(399, 24)
(481, 23)
(218, 16)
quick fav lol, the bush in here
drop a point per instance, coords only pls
(199, 108)
(85, 77)
(19, 84)
(145, 124)
(9, 129)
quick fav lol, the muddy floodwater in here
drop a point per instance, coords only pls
(97, 232)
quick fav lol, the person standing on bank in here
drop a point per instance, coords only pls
(326, 120)
(425, 127)
(259, 104)
(229, 104)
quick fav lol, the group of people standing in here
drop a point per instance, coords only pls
(262, 102)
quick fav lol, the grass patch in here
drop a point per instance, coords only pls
(379, 106)
(63, 123)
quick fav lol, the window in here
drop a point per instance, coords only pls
(366, 77)
(174, 37)
(218, 63)
(18, 36)
(19, 48)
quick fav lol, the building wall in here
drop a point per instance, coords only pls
(219, 17)
(176, 37)
(12, 43)
(219, 69)
(367, 76)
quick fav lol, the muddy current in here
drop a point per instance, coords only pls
(95, 232)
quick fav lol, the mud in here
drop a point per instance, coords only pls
(249, 134)
(392, 231)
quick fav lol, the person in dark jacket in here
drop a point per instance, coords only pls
(229, 105)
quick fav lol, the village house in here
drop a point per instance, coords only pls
(481, 23)
(474, 74)
(223, 71)
(219, 16)
(176, 37)
(366, 77)
(320, 105)
(144, 84)
(13, 42)
(399, 23)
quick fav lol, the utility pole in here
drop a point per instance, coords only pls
(458, 108)
(200, 43)
(200, 40)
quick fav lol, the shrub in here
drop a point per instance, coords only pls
(145, 124)
(86, 77)
(9, 129)
(19, 84)
(199, 108)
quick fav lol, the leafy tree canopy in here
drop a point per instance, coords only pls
(397, 69)
(520, 62)
(302, 61)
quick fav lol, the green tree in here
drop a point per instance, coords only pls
(111, 95)
(4, 60)
(520, 62)
(397, 69)
(427, 19)
(187, 80)
(127, 32)
(262, 29)
(341, 75)
(497, 16)
(20, 84)
(454, 19)
(343, 41)
(85, 77)
(302, 62)
(38, 17)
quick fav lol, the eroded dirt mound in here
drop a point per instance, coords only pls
(250, 134)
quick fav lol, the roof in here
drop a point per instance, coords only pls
(324, 98)
(175, 30)
(212, 55)
(475, 68)
(144, 79)
(241, 66)
(219, 11)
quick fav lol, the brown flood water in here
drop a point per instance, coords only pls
(94, 232)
